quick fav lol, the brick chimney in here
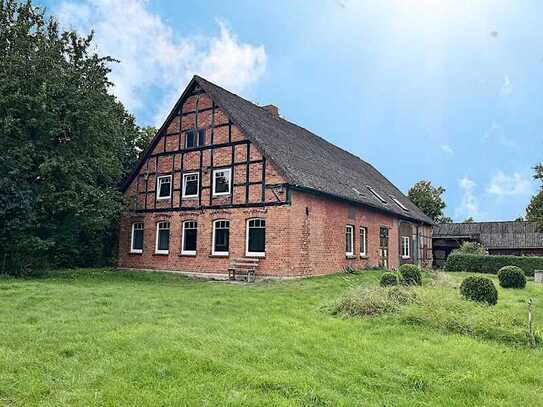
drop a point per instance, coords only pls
(274, 110)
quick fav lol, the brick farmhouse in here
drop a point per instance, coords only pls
(226, 179)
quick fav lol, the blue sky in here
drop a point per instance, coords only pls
(445, 90)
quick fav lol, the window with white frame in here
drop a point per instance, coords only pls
(255, 244)
(221, 181)
(221, 237)
(363, 241)
(190, 237)
(136, 240)
(162, 238)
(349, 240)
(405, 247)
(164, 187)
(191, 185)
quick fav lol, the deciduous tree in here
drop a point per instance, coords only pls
(428, 199)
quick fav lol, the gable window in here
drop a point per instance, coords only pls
(191, 185)
(363, 241)
(136, 241)
(256, 238)
(405, 247)
(162, 238)
(221, 181)
(221, 237)
(195, 139)
(189, 238)
(164, 187)
(349, 240)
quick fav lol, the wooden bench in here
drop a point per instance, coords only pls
(243, 267)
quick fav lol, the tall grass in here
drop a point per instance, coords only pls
(437, 305)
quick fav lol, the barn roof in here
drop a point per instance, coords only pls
(493, 235)
(308, 161)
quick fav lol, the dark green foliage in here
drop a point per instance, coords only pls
(512, 277)
(479, 289)
(66, 146)
(428, 199)
(389, 279)
(491, 264)
(410, 274)
(534, 211)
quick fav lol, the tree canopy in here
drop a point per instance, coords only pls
(67, 144)
(429, 200)
(534, 211)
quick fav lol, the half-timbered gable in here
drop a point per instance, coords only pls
(225, 179)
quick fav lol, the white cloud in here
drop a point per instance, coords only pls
(503, 185)
(154, 59)
(469, 205)
(447, 149)
(507, 86)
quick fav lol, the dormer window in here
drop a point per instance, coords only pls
(376, 194)
(401, 205)
(195, 138)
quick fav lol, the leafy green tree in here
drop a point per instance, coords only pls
(469, 220)
(534, 211)
(428, 199)
(67, 144)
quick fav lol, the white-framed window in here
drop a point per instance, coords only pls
(255, 241)
(349, 240)
(162, 238)
(363, 241)
(191, 185)
(397, 202)
(136, 239)
(221, 237)
(222, 180)
(164, 187)
(406, 247)
(189, 239)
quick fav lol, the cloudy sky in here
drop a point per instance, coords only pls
(446, 90)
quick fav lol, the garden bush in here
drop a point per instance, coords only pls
(389, 279)
(471, 248)
(512, 277)
(411, 274)
(479, 289)
(373, 301)
(491, 264)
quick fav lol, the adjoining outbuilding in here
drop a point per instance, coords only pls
(499, 238)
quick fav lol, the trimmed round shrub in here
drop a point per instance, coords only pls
(411, 274)
(480, 289)
(389, 279)
(512, 277)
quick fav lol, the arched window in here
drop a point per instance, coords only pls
(255, 244)
(189, 238)
(221, 237)
(162, 238)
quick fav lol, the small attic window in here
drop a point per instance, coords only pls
(401, 205)
(376, 194)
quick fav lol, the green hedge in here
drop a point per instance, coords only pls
(491, 264)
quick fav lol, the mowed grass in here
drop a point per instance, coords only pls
(104, 337)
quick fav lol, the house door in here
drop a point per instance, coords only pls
(383, 247)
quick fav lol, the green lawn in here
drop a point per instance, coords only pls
(101, 337)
